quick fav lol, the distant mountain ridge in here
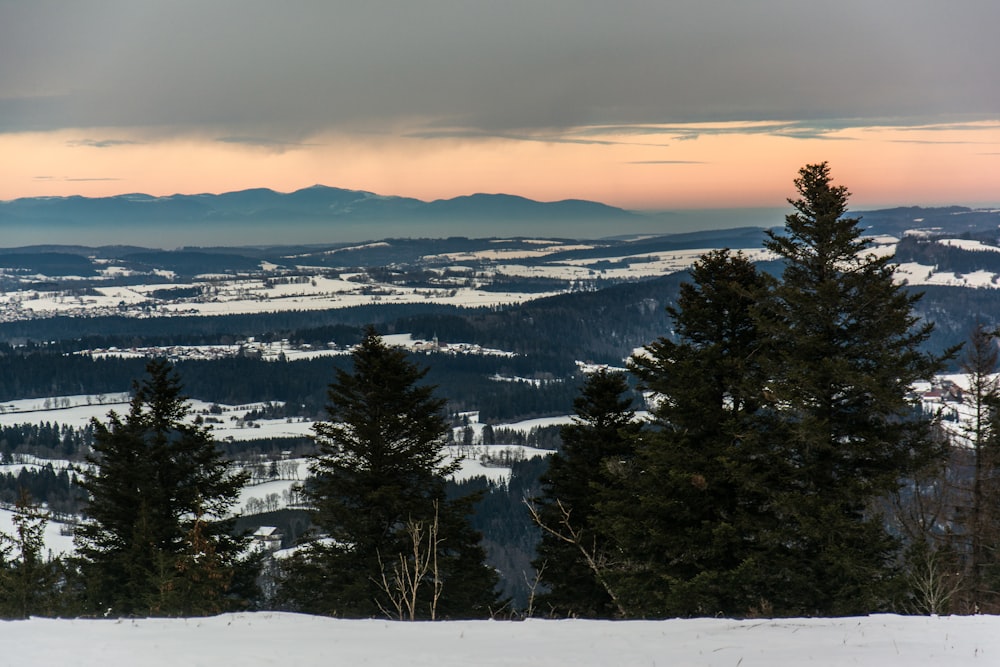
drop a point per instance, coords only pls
(321, 214)
(316, 203)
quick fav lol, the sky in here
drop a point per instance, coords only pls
(643, 104)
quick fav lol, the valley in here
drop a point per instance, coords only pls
(507, 327)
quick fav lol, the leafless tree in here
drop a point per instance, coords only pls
(410, 571)
(596, 560)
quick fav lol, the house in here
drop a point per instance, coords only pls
(267, 538)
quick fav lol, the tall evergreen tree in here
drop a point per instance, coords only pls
(160, 493)
(28, 581)
(846, 351)
(573, 554)
(379, 476)
(975, 533)
(697, 490)
(980, 366)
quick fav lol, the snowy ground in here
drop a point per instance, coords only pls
(252, 640)
(58, 542)
(77, 411)
(243, 295)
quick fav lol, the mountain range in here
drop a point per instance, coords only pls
(335, 209)
(318, 202)
(322, 214)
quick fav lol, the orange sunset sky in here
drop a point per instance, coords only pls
(643, 105)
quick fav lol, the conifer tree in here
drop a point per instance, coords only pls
(975, 478)
(697, 489)
(846, 351)
(380, 470)
(573, 556)
(158, 481)
(29, 579)
(980, 365)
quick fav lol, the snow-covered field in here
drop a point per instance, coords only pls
(232, 424)
(57, 543)
(317, 290)
(256, 640)
(230, 296)
(921, 274)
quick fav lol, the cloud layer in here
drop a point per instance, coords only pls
(270, 74)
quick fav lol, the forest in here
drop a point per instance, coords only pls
(784, 469)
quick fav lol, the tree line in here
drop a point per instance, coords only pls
(298, 385)
(784, 470)
(158, 538)
(782, 432)
(947, 258)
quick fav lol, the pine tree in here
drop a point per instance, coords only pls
(29, 580)
(697, 488)
(379, 472)
(975, 480)
(573, 554)
(846, 351)
(156, 479)
(980, 365)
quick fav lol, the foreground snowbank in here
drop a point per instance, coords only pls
(252, 640)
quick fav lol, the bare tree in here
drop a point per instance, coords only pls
(409, 572)
(533, 588)
(934, 580)
(949, 514)
(980, 430)
(595, 558)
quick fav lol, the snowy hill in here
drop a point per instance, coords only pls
(252, 640)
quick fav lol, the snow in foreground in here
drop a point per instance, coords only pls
(252, 640)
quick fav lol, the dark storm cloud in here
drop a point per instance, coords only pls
(282, 72)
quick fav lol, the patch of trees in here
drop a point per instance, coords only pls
(168, 293)
(736, 238)
(156, 539)
(578, 480)
(47, 440)
(955, 311)
(542, 437)
(395, 543)
(191, 263)
(245, 450)
(48, 263)
(962, 220)
(39, 372)
(782, 424)
(501, 283)
(949, 514)
(59, 491)
(785, 471)
(30, 580)
(502, 400)
(600, 326)
(510, 537)
(139, 330)
(393, 251)
(944, 257)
